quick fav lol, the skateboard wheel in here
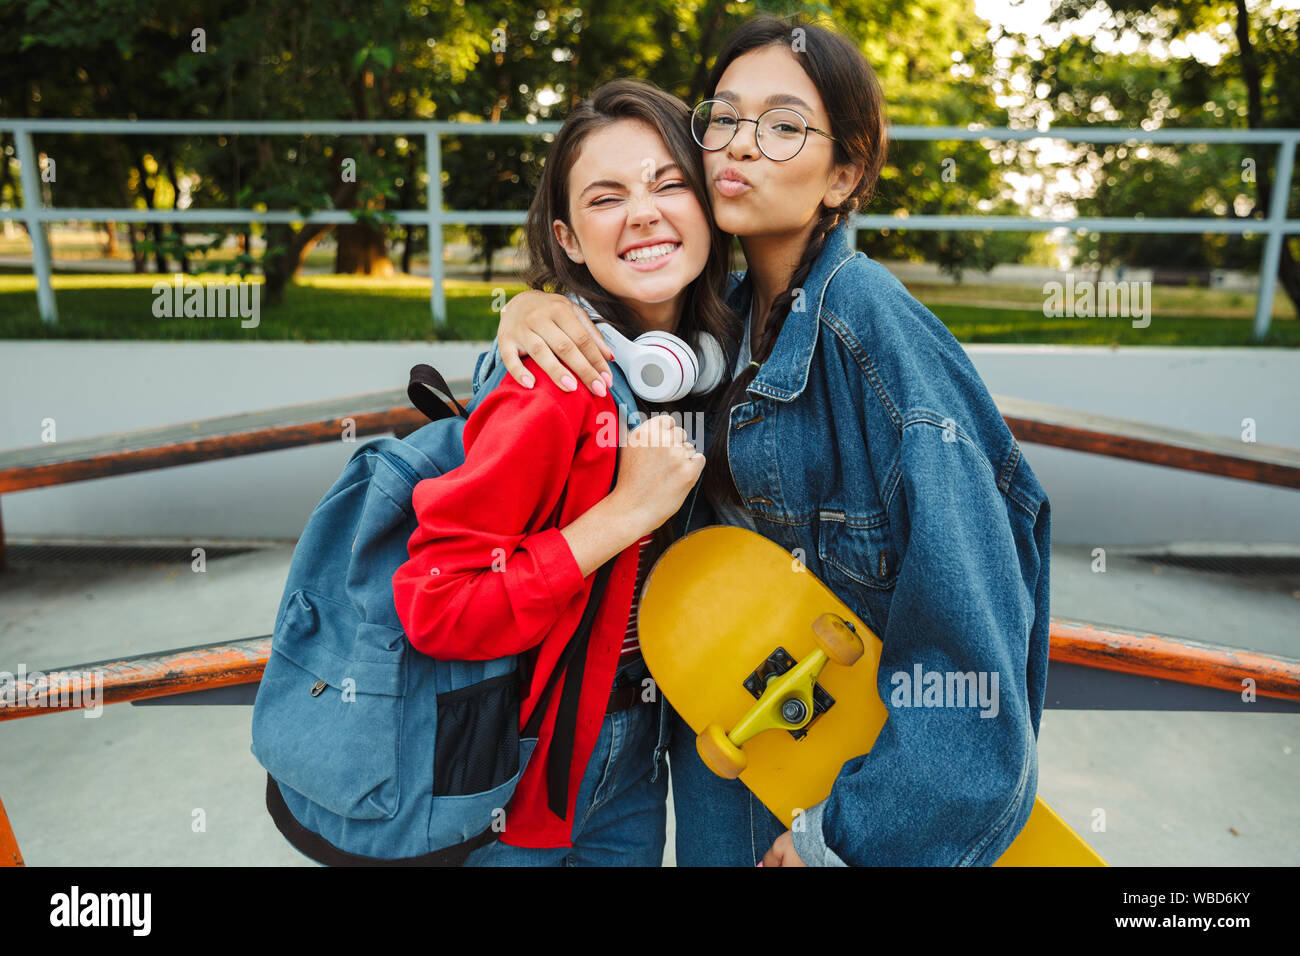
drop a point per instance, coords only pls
(841, 645)
(719, 754)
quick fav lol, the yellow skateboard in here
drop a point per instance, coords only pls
(778, 677)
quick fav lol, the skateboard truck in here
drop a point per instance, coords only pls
(792, 709)
(788, 696)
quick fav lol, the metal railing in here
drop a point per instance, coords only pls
(1275, 226)
(235, 663)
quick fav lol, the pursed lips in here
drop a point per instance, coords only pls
(731, 186)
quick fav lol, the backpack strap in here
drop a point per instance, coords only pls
(572, 664)
(425, 380)
(566, 716)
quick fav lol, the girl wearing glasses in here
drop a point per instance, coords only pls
(858, 435)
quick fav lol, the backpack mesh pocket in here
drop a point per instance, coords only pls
(477, 745)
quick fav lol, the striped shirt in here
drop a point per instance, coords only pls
(728, 512)
(631, 643)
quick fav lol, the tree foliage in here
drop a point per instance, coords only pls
(416, 60)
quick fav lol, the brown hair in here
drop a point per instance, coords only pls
(550, 268)
(856, 107)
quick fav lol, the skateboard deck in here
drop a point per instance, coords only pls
(724, 607)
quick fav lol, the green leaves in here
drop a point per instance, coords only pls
(380, 56)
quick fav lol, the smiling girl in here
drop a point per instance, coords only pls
(619, 218)
(859, 436)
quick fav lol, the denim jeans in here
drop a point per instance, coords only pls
(621, 814)
(718, 822)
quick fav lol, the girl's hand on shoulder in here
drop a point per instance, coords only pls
(559, 336)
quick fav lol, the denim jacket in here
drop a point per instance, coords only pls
(871, 449)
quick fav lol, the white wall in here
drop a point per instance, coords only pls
(93, 388)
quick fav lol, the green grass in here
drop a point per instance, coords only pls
(972, 324)
(316, 308)
(1165, 299)
(348, 308)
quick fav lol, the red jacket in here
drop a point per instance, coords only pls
(532, 466)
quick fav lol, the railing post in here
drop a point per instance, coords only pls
(433, 199)
(1276, 236)
(35, 228)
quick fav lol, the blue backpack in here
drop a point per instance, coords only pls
(375, 753)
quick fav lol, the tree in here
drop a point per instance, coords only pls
(1173, 79)
(416, 60)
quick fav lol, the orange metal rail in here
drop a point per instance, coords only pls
(242, 662)
(1174, 658)
(138, 678)
(291, 426)
(1073, 642)
(41, 466)
(9, 853)
(1043, 424)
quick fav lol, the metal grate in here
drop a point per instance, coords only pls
(1253, 565)
(44, 554)
(1259, 572)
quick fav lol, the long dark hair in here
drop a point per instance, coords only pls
(856, 107)
(550, 268)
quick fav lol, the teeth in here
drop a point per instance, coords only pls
(650, 252)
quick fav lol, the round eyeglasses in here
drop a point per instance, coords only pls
(780, 131)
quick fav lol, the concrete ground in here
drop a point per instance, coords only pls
(178, 785)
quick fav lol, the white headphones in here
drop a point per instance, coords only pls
(659, 366)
